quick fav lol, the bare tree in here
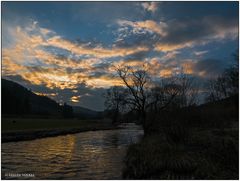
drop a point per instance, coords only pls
(188, 90)
(217, 89)
(136, 82)
(222, 87)
(226, 84)
(115, 101)
(143, 95)
(231, 76)
(163, 94)
(174, 92)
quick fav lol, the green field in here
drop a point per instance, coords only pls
(28, 124)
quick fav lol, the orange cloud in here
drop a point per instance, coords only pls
(166, 73)
(75, 98)
(188, 67)
(104, 81)
(32, 62)
(21, 59)
(46, 94)
(165, 47)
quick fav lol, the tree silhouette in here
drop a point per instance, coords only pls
(136, 82)
(225, 85)
(115, 101)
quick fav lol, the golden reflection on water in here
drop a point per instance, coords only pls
(47, 149)
(54, 152)
(88, 155)
(43, 155)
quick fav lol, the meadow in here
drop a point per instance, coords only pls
(20, 129)
(24, 124)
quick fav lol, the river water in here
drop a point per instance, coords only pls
(86, 155)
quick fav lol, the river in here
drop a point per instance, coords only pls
(86, 155)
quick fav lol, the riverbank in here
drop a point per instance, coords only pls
(191, 143)
(31, 135)
(15, 129)
(211, 154)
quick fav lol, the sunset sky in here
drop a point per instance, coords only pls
(68, 50)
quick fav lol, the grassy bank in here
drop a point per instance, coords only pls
(183, 145)
(20, 129)
(205, 155)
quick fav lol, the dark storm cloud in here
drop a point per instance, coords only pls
(188, 24)
(178, 34)
(210, 68)
(200, 30)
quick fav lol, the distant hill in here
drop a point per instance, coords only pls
(85, 113)
(18, 100)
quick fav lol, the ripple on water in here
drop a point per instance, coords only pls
(87, 155)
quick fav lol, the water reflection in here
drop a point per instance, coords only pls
(36, 156)
(88, 155)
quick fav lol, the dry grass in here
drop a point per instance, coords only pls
(203, 155)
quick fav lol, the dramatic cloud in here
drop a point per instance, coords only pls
(29, 58)
(169, 66)
(176, 35)
(71, 52)
(194, 33)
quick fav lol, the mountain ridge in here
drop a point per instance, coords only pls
(18, 100)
